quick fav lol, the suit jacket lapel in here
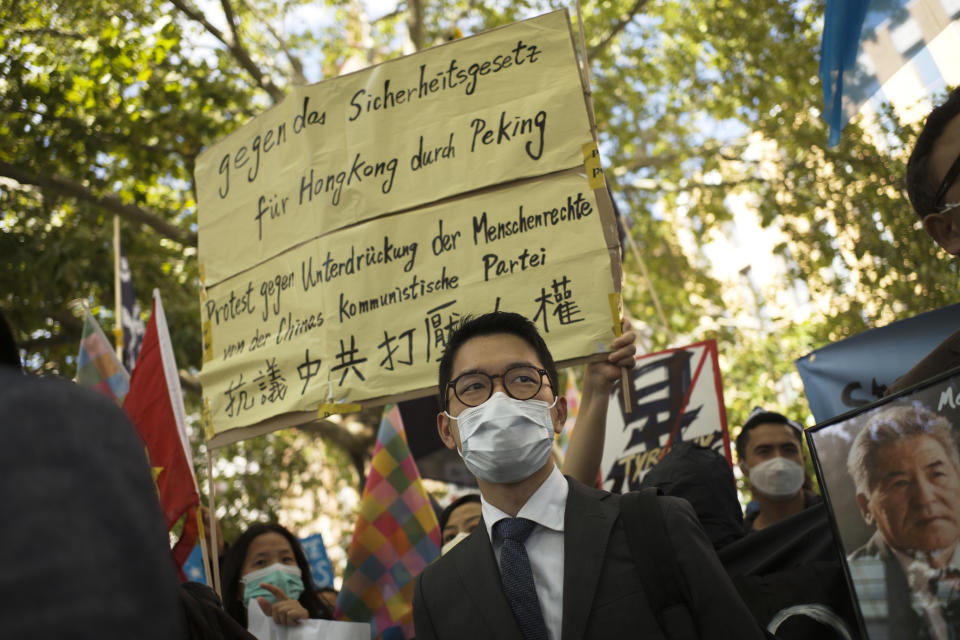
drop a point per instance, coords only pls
(587, 524)
(479, 573)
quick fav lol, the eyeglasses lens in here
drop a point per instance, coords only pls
(474, 389)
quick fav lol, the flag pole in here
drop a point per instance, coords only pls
(214, 554)
(588, 95)
(646, 276)
(204, 555)
(585, 73)
(117, 296)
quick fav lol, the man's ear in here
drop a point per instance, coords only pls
(940, 227)
(561, 418)
(863, 502)
(445, 432)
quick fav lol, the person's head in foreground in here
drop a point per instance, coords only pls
(933, 174)
(266, 567)
(84, 546)
(906, 469)
(770, 451)
(458, 519)
(498, 393)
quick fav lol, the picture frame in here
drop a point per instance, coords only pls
(889, 472)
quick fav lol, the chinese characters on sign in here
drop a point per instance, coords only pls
(676, 396)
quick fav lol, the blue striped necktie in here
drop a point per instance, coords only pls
(517, 577)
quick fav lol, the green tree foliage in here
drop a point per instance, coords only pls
(306, 478)
(105, 105)
(702, 102)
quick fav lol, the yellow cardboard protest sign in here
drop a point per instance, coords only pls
(364, 313)
(480, 111)
(343, 291)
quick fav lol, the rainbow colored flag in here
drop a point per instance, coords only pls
(396, 536)
(97, 362)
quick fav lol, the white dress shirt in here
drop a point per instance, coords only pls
(546, 507)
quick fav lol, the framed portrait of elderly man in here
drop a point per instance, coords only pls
(890, 473)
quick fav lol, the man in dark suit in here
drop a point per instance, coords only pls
(551, 558)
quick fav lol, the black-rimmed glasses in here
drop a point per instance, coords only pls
(948, 207)
(952, 175)
(521, 382)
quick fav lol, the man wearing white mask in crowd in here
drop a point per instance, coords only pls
(770, 451)
(551, 558)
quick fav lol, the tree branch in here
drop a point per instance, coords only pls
(68, 336)
(730, 153)
(358, 465)
(415, 24)
(617, 28)
(231, 19)
(645, 162)
(295, 63)
(691, 186)
(235, 48)
(393, 14)
(50, 32)
(190, 382)
(105, 136)
(71, 330)
(111, 203)
(355, 445)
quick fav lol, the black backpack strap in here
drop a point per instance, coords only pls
(656, 562)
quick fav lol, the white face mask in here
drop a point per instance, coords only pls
(505, 440)
(778, 478)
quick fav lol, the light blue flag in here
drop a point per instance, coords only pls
(842, 25)
(868, 44)
(193, 567)
(320, 565)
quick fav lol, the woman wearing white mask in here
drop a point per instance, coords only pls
(266, 567)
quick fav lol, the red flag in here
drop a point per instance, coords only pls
(154, 404)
